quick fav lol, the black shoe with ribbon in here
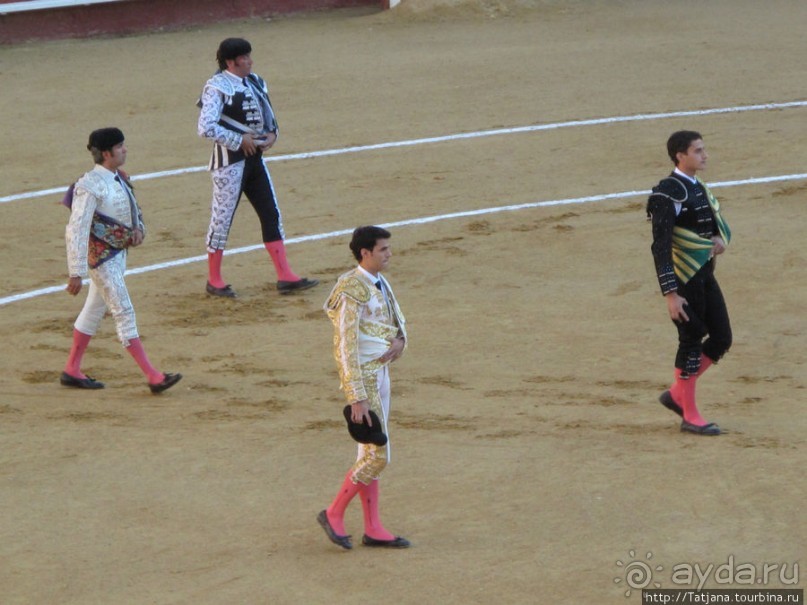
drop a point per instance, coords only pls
(167, 382)
(225, 292)
(287, 287)
(80, 383)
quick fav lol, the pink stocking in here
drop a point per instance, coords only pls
(372, 522)
(706, 363)
(685, 397)
(136, 350)
(336, 511)
(277, 251)
(675, 389)
(73, 365)
(214, 269)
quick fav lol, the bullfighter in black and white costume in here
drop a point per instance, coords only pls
(237, 115)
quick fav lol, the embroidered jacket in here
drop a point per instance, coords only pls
(365, 322)
(231, 107)
(103, 210)
(685, 216)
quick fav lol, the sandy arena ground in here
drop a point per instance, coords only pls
(532, 461)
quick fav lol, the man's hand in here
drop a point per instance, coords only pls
(270, 139)
(137, 237)
(395, 350)
(74, 285)
(248, 144)
(675, 305)
(719, 245)
(359, 411)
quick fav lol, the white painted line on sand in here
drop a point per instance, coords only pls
(450, 137)
(413, 221)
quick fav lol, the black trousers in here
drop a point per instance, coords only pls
(708, 319)
(256, 184)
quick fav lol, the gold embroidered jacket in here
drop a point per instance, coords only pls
(365, 322)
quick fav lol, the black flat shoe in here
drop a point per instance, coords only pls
(169, 381)
(79, 383)
(343, 541)
(397, 542)
(706, 429)
(668, 402)
(225, 292)
(287, 287)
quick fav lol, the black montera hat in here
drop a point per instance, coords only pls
(363, 433)
(105, 139)
(232, 48)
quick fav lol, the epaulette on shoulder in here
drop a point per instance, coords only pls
(222, 83)
(352, 286)
(92, 182)
(671, 188)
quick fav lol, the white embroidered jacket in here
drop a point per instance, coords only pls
(96, 191)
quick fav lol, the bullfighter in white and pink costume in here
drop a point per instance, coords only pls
(105, 221)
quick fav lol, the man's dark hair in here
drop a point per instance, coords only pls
(365, 238)
(103, 139)
(679, 142)
(230, 49)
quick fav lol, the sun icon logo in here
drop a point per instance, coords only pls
(638, 574)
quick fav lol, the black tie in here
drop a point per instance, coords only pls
(378, 285)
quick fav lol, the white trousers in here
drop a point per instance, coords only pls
(372, 459)
(108, 291)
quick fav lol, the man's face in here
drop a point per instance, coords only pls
(240, 66)
(694, 159)
(116, 156)
(378, 258)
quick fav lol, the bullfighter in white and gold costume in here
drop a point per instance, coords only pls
(369, 333)
(105, 221)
